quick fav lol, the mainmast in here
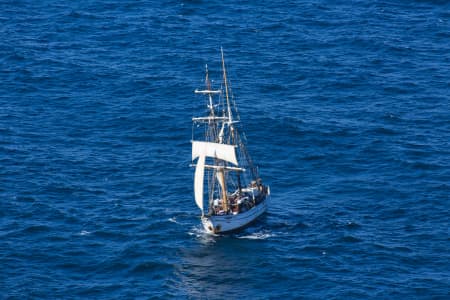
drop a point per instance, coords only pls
(226, 89)
(230, 116)
(229, 123)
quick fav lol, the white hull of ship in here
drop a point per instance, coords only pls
(228, 223)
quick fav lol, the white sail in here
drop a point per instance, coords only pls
(216, 150)
(208, 149)
(198, 182)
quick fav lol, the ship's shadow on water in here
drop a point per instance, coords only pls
(220, 266)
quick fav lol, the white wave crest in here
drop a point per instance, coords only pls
(257, 236)
(173, 220)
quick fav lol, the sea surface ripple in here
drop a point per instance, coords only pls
(346, 108)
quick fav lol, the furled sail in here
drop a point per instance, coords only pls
(208, 149)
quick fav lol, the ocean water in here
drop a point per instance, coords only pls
(346, 107)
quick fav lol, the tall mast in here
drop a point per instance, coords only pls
(222, 172)
(226, 87)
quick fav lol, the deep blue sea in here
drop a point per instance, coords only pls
(346, 106)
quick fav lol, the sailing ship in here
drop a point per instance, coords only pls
(236, 195)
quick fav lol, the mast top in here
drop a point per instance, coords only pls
(230, 116)
(227, 117)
